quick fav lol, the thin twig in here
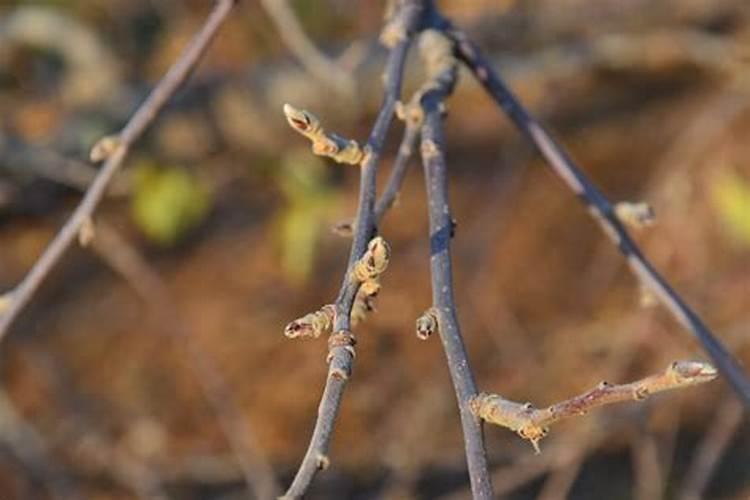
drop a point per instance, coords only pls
(389, 196)
(341, 353)
(648, 482)
(600, 208)
(442, 67)
(723, 427)
(141, 119)
(129, 264)
(390, 193)
(533, 423)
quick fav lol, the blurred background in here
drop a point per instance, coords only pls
(152, 363)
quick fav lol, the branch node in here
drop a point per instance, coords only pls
(412, 112)
(6, 299)
(429, 149)
(104, 148)
(324, 143)
(374, 261)
(342, 339)
(427, 324)
(364, 302)
(322, 461)
(637, 215)
(87, 232)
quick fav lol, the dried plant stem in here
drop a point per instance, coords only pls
(600, 208)
(126, 261)
(533, 423)
(441, 232)
(727, 419)
(320, 66)
(341, 351)
(141, 119)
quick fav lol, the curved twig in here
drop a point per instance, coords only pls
(115, 156)
(600, 208)
(341, 353)
(314, 61)
(444, 74)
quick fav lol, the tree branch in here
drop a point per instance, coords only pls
(533, 424)
(600, 208)
(115, 156)
(400, 29)
(437, 50)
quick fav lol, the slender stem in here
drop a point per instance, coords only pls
(600, 208)
(533, 423)
(398, 173)
(341, 353)
(441, 232)
(141, 119)
(724, 425)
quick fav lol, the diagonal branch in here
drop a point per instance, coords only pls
(404, 24)
(389, 196)
(115, 151)
(533, 423)
(442, 68)
(600, 208)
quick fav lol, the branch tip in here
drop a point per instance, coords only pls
(533, 423)
(427, 324)
(327, 144)
(312, 325)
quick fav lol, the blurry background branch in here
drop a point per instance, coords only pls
(114, 157)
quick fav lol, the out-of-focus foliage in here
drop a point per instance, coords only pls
(310, 203)
(731, 196)
(168, 202)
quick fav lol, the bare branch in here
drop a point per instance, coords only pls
(533, 423)
(442, 69)
(341, 342)
(600, 208)
(141, 119)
